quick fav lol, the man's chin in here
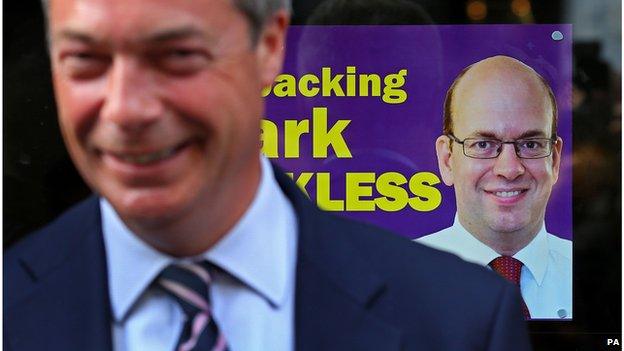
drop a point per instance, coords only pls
(146, 210)
(505, 224)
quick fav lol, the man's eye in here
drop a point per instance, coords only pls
(531, 144)
(182, 61)
(84, 65)
(483, 144)
(179, 54)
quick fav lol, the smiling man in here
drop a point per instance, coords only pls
(501, 152)
(193, 241)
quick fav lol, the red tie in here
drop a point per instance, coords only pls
(510, 268)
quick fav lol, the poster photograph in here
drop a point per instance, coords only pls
(357, 120)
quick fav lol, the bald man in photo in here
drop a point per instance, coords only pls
(501, 153)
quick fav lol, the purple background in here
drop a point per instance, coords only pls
(384, 137)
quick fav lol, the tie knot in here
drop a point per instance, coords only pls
(188, 284)
(508, 267)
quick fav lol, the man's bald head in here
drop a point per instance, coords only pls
(495, 73)
(502, 199)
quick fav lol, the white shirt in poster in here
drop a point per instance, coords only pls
(546, 277)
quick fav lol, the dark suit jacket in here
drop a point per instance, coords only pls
(357, 288)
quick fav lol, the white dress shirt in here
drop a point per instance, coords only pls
(253, 303)
(546, 277)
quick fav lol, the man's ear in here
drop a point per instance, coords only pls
(271, 46)
(556, 158)
(444, 153)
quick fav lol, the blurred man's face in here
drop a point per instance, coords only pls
(159, 100)
(506, 194)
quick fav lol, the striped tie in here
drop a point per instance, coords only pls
(188, 284)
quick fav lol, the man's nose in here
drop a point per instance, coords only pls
(130, 100)
(508, 164)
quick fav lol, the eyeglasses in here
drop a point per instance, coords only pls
(484, 148)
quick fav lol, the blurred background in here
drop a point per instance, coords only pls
(39, 181)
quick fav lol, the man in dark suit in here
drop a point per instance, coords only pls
(193, 241)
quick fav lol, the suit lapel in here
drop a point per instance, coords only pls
(327, 317)
(335, 287)
(68, 306)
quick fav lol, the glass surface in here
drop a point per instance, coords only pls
(40, 181)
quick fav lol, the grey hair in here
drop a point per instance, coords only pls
(257, 12)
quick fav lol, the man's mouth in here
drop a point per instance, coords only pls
(144, 159)
(507, 193)
(148, 158)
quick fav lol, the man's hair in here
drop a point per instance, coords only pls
(448, 102)
(256, 11)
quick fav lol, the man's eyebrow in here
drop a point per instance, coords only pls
(175, 34)
(482, 134)
(156, 37)
(74, 35)
(534, 133)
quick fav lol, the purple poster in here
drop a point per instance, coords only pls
(356, 113)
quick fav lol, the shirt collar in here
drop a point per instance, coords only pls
(533, 256)
(132, 264)
(472, 249)
(259, 250)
